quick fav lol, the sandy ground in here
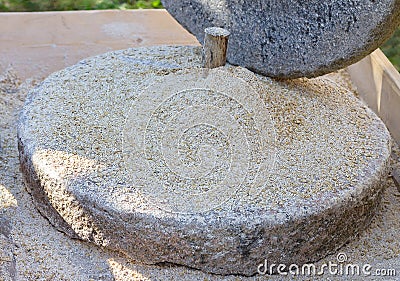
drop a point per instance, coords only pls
(31, 249)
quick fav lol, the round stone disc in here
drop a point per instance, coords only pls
(145, 152)
(289, 38)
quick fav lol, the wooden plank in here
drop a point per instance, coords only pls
(37, 44)
(378, 83)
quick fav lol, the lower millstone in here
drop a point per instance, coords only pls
(145, 152)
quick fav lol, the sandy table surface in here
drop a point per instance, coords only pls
(32, 249)
(40, 252)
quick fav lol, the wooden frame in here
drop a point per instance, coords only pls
(378, 83)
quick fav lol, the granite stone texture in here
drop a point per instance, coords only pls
(145, 152)
(288, 38)
(7, 260)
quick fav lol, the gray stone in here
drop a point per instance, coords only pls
(7, 259)
(396, 178)
(288, 38)
(145, 152)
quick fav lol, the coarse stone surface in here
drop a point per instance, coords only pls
(290, 38)
(145, 152)
(7, 260)
(8, 83)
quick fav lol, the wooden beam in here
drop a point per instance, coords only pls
(378, 83)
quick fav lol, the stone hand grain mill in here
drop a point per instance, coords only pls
(148, 152)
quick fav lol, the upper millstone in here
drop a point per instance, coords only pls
(290, 38)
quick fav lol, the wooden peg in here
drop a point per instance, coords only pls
(215, 47)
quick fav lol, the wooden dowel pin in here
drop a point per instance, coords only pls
(215, 47)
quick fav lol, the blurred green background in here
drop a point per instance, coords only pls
(391, 48)
(66, 5)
